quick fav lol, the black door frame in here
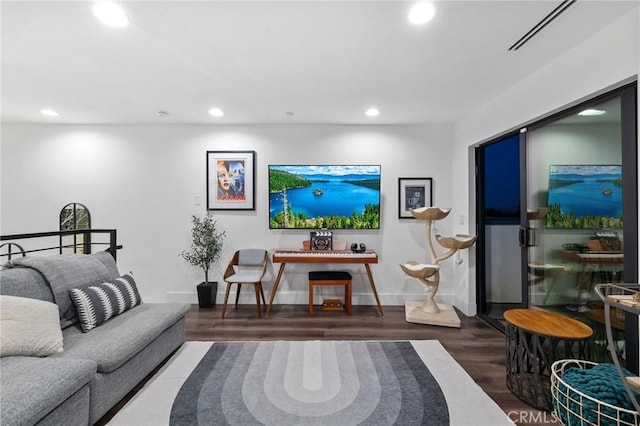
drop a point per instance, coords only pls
(629, 134)
(481, 258)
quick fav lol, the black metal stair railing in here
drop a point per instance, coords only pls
(14, 245)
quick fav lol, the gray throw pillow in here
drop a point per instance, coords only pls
(98, 303)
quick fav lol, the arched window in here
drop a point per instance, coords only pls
(75, 216)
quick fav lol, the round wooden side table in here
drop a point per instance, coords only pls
(535, 339)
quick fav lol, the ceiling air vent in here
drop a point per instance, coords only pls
(543, 23)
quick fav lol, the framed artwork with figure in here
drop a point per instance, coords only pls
(413, 193)
(231, 180)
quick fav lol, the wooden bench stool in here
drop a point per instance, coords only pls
(330, 278)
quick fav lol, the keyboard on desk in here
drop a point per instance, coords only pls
(320, 256)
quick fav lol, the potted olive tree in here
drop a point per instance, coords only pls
(205, 250)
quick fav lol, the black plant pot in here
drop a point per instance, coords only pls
(207, 294)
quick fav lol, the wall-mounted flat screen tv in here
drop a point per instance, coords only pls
(584, 197)
(324, 196)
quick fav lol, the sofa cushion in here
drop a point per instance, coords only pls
(25, 282)
(33, 387)
(29, 327)
(119, 339)
(67, 271)
(98, 303)
(108, 261)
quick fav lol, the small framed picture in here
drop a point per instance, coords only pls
(413, 193)
(231, 180)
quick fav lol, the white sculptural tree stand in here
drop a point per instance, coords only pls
(428, 311)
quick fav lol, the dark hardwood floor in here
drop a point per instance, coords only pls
(477, 347)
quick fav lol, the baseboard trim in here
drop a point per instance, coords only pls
(302, 297)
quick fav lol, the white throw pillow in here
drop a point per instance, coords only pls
(29, 327)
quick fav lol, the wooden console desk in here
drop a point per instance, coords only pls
(590, 263)
(318, 256)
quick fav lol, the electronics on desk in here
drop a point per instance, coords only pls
(609, 240)
(575, 247)
(607, 234)
(321, 240)
(358, 248)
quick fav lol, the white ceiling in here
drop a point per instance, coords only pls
(324, 61)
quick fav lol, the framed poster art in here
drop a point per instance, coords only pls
(231, 180)
(413, 193)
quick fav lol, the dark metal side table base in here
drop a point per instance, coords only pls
(535, 339)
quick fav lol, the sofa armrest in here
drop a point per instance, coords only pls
(33, 387)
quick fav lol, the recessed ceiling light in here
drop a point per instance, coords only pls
(110, 14)
(49, 112)
(216, 112)
(372, 112)
(421, 12)
(591, 112)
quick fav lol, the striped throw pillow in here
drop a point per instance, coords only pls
(98, 303)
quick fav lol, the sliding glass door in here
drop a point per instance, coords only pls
(499, 212)
(577, 224)
(574, 192)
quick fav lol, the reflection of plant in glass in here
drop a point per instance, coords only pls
(556, 219)
(67, 219)
(206, 244)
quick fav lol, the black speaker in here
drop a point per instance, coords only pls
(358, 248)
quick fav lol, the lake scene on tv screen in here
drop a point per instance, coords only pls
(324, 196)
(585, 197)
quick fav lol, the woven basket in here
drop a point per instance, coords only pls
(576, 408)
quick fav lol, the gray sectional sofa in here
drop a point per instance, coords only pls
(83, 378)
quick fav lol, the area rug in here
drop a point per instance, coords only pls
(312, 383)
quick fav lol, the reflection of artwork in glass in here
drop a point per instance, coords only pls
(584, 197)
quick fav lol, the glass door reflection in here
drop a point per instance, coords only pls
(574, 223)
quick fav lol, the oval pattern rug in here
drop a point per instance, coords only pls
(312, 383)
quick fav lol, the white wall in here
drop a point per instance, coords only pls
(602, 61)
(143, 180)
